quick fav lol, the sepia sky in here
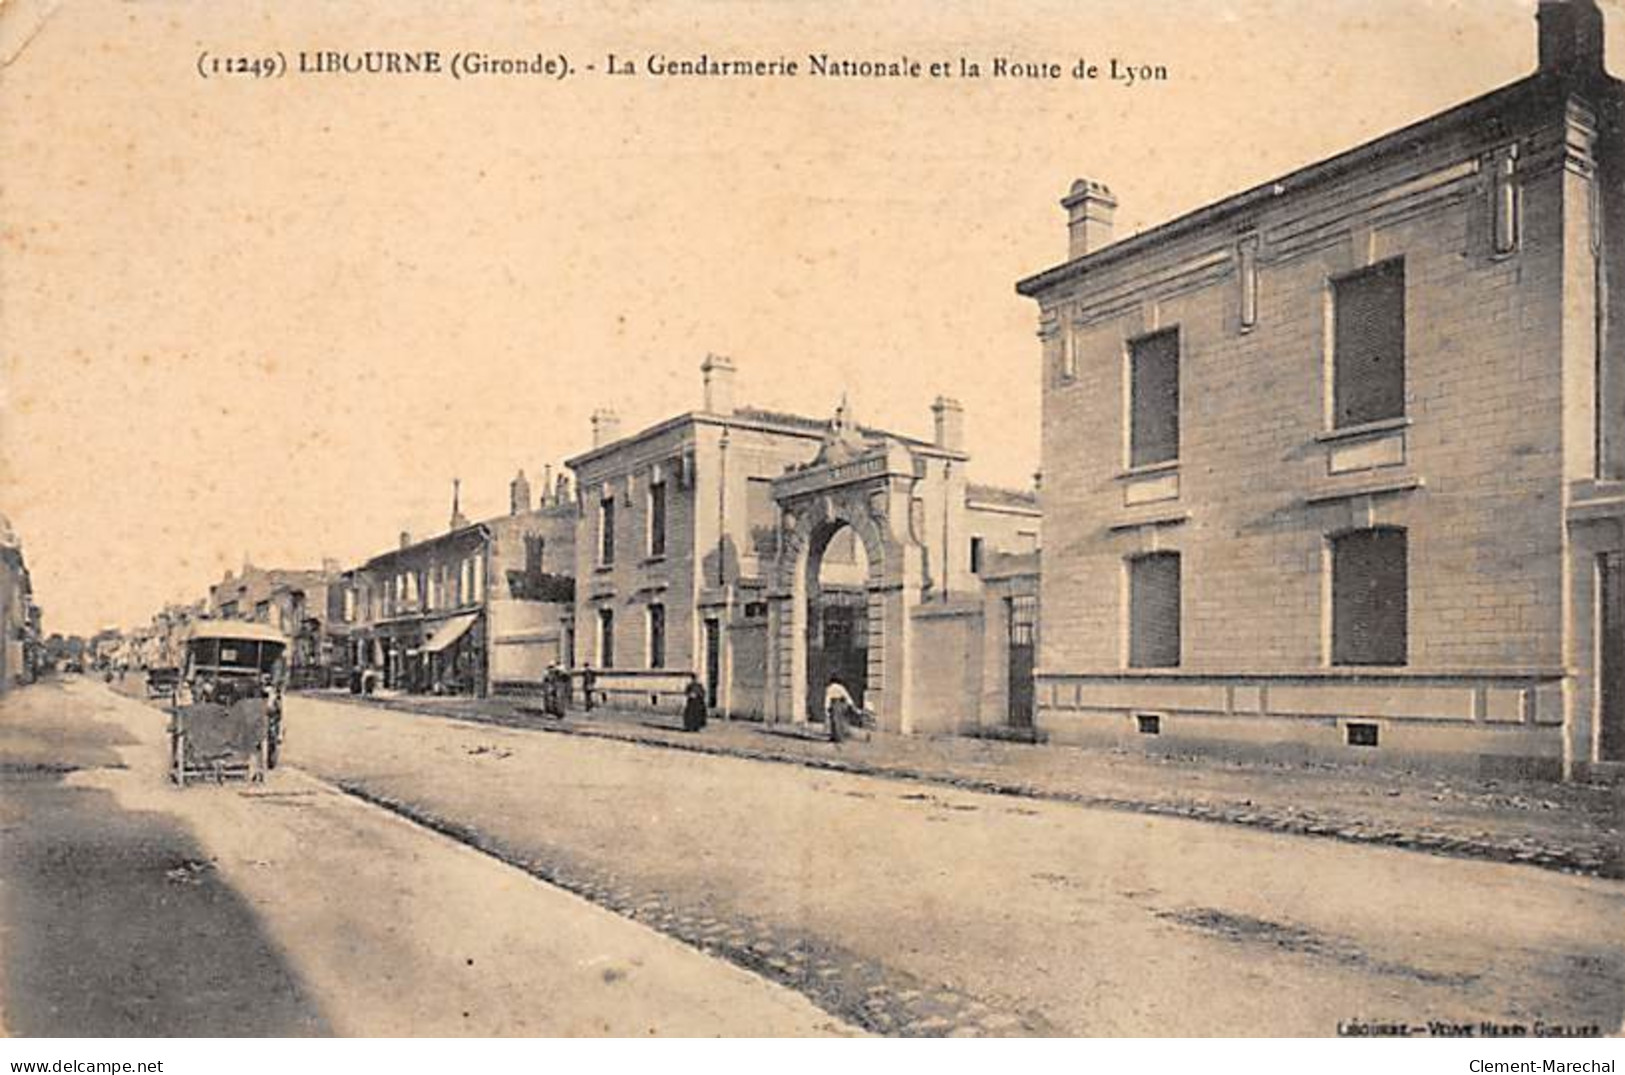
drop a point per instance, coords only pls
(273, 319)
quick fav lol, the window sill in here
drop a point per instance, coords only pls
(1364, 429)
(603, 569)
(650, 561)
(1364, 484)
(1150, 518)
(1147, 470)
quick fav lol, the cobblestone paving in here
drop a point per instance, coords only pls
(1559, 827)
(865, 993)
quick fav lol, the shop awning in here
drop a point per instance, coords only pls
(449, 632)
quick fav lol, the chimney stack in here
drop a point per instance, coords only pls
(406, 538)
(519, 494)
(950, 423)
(606, 427)
(1090, 207)
(718, 371)
(561, 489)
(458, 519)
(1571, 36)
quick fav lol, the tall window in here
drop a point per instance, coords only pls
(1368, 345)
(1370, 597)
(1153, 611)
(976, 555)
(657, 636)
(606, 638)
(606, 530)
(1154, 399)
(657, 518)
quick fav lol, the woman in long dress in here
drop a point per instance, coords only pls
(838, 708)
(693, 706)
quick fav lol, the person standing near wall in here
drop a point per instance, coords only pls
(838, 708)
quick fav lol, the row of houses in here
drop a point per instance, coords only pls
(22, 651)
(1333, 467)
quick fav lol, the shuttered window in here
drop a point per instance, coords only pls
(657, 518)
(657, 636)
(1369, 345)
(1370, 581)
(606, 530)
(1154, 399)
(606, 638)
(1153, 629)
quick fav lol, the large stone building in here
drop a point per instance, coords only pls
(483, 607)
(1339, 459)
(766, 553)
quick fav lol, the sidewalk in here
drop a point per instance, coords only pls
(1568, 827)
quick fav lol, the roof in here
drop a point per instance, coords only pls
(236, 630)
(783, 421)
(1000, 497)
(1539, 88)
(449, 535)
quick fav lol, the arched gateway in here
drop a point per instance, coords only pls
(867, 485)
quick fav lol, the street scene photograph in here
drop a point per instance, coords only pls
(731, 519)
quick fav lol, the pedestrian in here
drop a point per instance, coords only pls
(554, 687)
(694, 706)
(589, 680)
(838, 707)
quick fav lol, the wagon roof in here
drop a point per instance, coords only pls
(237, 630)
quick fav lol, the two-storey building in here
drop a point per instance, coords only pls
(692, 531)
(483, 607)
(1338, 459)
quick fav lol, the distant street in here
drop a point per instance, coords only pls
(745, 891)
(131, 907)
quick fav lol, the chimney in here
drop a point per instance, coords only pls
(547, 484)
(606, 427)
(718, 371)
(458, 519)
(950, 423)
(1571, 37)
(519, 494)
(561, 490)
(406, 538)
(1089, 207)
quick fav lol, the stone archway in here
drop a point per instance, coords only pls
(869, 488)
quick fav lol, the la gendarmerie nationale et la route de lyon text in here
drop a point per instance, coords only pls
(705, 65)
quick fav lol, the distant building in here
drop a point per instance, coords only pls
(693, 558)
(294, 601)
(482, 608)
(1336, 466)
(21, 649)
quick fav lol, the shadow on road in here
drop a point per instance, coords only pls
(116, 923)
